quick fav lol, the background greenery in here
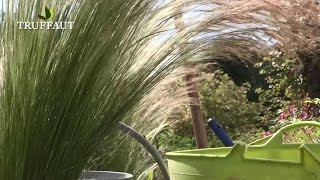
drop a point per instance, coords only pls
(245, 119)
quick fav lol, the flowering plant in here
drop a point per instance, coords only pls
(307, 110)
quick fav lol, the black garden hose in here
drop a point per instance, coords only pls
(148, 146)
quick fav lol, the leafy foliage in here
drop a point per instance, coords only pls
(282, 102)
(222, 99)
(169, 141)
(285, 84)
(284, 77)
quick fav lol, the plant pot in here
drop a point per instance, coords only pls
(106, 175)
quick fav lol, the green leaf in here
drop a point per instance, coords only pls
(49, 13)
(150, 174)
(262, 71)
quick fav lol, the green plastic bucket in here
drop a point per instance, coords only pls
(265, 159)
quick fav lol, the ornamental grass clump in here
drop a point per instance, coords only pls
(63, 90)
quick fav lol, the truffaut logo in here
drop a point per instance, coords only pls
(48, 14)
(45, 22)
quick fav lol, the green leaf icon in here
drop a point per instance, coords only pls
(49, 13)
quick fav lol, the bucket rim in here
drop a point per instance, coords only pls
(126, 175)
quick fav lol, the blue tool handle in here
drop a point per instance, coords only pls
(219, 132)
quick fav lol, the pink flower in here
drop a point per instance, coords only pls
(303, 115)
(283, 115)
(268, 133)
(292, 109)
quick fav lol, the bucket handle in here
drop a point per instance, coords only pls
(276, 139)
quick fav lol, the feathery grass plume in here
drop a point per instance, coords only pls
(153, 114)
(225, 46)
(241, 27)
(231, 28)
(292, 23)
(63, 91)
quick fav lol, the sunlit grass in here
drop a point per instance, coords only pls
(64, 91)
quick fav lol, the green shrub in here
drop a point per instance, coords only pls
(220, 98)
(286, 85)
(282, 102)
(170, 141)
(227, 102)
